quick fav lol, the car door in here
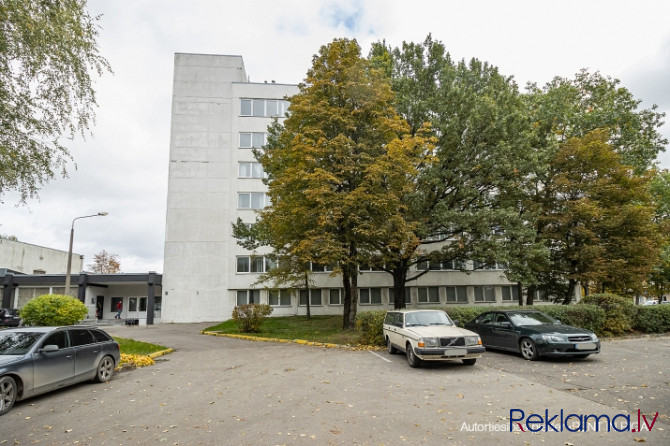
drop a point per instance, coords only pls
(53, 369)
(483, 327)
(503, 332)
(394, 330)
(87, 353)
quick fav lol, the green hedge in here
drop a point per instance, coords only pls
(603, 314)
(370, 324)
(619, 312)
(652, 319)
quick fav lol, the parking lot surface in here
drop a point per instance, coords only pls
(222, 391)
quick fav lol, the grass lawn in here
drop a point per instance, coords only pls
(317, 329)
(133, 347)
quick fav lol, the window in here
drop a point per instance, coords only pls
(254, 264)
(428, 294)
(81, 337)
(314, 297)
(484, 266)
(335, 297)
(252, 200)
(510, 293)
(253, 140)
(249, 169)
(457, 294)
(370, 296)
(245, 297)
(279, 298)
(58, 338)
(422, 265)
(485, 294)
(263, 107)
(132, 304)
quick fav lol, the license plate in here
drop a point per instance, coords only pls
(453, 353)
(586, 346)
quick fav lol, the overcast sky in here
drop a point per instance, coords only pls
(122, 169)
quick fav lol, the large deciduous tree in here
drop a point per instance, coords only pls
(338, 169)
(600, 223)
(567, 114)
(48, 54)
(465, 203)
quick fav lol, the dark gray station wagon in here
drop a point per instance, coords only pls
(35, 360)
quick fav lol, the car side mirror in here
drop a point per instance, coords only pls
(506, 324)
(456, 322)
(49, 348)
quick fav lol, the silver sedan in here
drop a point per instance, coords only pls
(35, 360)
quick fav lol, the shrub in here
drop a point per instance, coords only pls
(587, 316)
(53, 309)
(250, 317)
(619, 312)
(653, 319)
(370, 324)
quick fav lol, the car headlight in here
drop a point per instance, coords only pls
(473, 340)
(428, 342)
(594, 338)
(553, 338)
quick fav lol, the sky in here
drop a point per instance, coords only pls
(122, 168)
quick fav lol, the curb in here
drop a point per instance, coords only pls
(290, 341)
(160, 353)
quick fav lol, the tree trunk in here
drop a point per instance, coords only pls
(399, 282)
(309, 316)
(531, 294)
(572, 283)
(519, 290)
(346, 283)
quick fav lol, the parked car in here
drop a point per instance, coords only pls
(35, 360)
(9, 317)
(651, 302)
(430, 335)
(533, 334)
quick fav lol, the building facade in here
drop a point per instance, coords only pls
(218, 117)
(33, 259)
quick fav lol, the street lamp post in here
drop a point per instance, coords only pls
(69, 253)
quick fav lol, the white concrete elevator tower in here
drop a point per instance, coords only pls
(218, 116)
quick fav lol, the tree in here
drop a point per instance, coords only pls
(338, 167)
(464, 205)
(48, 53)
(574, 108)
(567, 108)
(105, 263)
(599, 225)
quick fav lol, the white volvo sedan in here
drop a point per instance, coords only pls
(430, 335)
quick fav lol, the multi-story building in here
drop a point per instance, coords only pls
(218, 116)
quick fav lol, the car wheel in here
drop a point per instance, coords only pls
(469, 361)
(412, 360)
(528, 349)
(391, 349)
(105, 370)
(7, 394)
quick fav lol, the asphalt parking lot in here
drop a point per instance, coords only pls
(222, 391)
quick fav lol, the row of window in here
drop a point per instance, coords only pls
(257, 199)
(373, 296)
(266, 108)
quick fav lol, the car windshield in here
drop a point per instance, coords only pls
(531, 319)
(427, 318)
(17, 343)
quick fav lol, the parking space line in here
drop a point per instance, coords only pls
(380, 356)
